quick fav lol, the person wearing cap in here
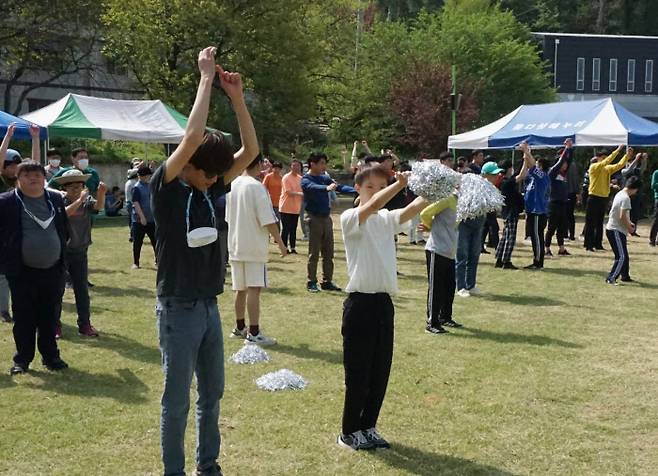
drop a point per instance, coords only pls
(143, 220)
(191, 268)
(80, 206)
(80, 160)
(34, 227)
(491, 227)
(558, 220)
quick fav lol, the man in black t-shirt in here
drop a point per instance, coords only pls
(191, 267)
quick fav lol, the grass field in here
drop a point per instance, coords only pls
(555, 373)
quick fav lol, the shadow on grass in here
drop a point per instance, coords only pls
(513, 338)
(424, 463)
(127, 291)
(5, 380)
(304, 352)
(124, 387)
(525, 300)
(123, 346)
(574, 272)
(107, 271)
(284, 291)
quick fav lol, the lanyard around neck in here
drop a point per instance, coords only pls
(44, 224)
(189, 204)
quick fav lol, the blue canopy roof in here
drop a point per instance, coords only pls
(22, 131)
(588, 123)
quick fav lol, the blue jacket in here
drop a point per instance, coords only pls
(537, 191)
(316, 196)
(11, 230)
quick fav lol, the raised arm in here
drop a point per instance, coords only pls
(612, 156)
(620, 165)
(36, 143)
(381, 198)
(100, 197)
(5, 144)
(232, 85)
(564, 157)
(196, 124)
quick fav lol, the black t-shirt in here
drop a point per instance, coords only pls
(184, 272)
(513, 198)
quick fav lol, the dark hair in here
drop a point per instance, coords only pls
(214, 156)
(29, 166)
(461, 160)
(115, 188)
(445, 156)
(75, 152)
(52, 152)
(362, 155)
(257, 161)
(375, 170)
(505, 164)
(277, 165)
(144, 171)
(543, 163)
(633, 183)
(293, 161)
(477, 152)
(369, 159)
(405, 166)
(316, 157)
(601, 152)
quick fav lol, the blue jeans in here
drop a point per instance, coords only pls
(190, 342)
(469, 245)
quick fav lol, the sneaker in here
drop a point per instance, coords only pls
(564, 253)
(435, 330)
(312, 287)
(548, 252)
(627, 280)
(214, 470)
(635, 234)
(612, 283)
(532, 266)
(88, 331)
(509, 265)
(58, 331)
(56, 365)
(293, 251)
(463, 293)
(373, 436)
(354, 441)
(475, 291)
(329, 287)
(600, 248)
(17, 369)
(134, 266)
(451, 323)
(90, 284)
(239, 334)
(259, 339)
(484, 251)
(413, 242)
(6, 317)
(499, 264)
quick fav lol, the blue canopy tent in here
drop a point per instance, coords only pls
(22, 131)
(589, 123)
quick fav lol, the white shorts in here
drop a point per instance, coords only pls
(248, 274)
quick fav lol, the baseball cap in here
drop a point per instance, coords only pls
(491, 168)
(13, 157)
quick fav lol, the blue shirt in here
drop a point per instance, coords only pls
(316, 196)
(142, 195)
(537, 191)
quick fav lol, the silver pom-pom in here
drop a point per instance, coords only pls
(250, 354)
(477, 197)
(432, 180)
(281, 380)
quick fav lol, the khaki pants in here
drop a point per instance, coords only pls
(320, 240)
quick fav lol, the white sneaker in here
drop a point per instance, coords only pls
(475, 291)
(134, 266)
(260, 339)
(463, 293)
(239, 334)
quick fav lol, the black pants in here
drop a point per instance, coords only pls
(289, 229)
(571, 216)
(536, 226)
(367, 355)
(440, 288)
(594, 215)
(654, 226)
(621, 265)
(557, 222)
(139, 231)
(491, 229)
(636, 208)
(78, 270)
(36, 295)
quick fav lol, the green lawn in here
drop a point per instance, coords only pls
(554, 373)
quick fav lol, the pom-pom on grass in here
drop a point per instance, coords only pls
(283, 379)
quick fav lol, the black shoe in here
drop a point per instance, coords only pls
(329, 287)
(499, 264)
(6, 317)
(590, 249)
(532, 266)
(436, 330)
(90, 284)
(377, 440)
(564, 253)
(55, 365)
(652, 243)
(293, 251)
(627, 280)
(355, 441)
(452, 323)
(214, 470)
(548, 253)
(599, 248)
(312, 287)
(635, 234)
(509, 265)
(612, 283)
(484, 251)
(17, 369)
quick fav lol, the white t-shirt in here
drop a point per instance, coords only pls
(248, 211)
(621, 202)
(370, 251)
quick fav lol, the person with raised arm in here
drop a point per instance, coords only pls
(191, 268)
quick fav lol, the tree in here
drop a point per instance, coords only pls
(45, 43)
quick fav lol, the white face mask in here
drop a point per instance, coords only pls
(83, 164)
(54, 162)
(204, 235)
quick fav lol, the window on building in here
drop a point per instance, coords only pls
(596, 74)
(648, 76)
(630, 76)
(612, 81)
(580, 74)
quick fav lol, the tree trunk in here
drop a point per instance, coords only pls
(600, 27)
